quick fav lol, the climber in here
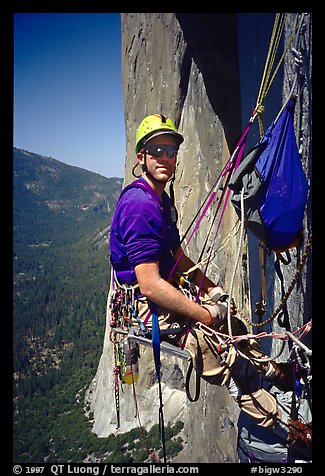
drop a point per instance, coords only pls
(144, 245)
(144, 240)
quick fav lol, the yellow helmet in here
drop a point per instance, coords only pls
(155, 125)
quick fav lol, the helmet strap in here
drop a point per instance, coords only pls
(133, 170)
(145, 168)
(173, 210)
(171, 189)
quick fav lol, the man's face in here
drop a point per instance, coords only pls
(160, 168)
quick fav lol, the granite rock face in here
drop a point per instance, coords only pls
(184, 66)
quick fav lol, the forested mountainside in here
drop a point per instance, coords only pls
(61, 217)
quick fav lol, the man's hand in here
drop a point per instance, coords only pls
(218, 296)
(218, 313)
(216, 293)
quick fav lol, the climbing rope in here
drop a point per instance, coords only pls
(266, 82)
(220, 184)
(302, 331)
(143, 433)
(269, 63)
(297, 59)
(234, 340)
(267, 79)
(241, 239)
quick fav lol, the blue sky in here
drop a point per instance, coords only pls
(68, 101)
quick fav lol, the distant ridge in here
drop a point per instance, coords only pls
(63, 195)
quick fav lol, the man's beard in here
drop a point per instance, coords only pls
(162, 180)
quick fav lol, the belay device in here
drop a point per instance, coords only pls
(275, 186)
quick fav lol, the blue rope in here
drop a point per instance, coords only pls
(156, 355)
(155, 339)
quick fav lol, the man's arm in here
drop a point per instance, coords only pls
(159, 291)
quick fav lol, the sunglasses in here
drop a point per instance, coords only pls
(157, 150)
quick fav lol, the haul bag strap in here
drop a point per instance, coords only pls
(198, 372)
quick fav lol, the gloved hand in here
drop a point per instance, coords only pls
(216, 293)
(218, 313)
(218, 296)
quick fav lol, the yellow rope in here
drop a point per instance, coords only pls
(267, 79)
(269, 64)
(298, 24)
(267, 60)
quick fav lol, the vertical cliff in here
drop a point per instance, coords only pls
(186, 66)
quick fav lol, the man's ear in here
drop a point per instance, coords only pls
(140, 157)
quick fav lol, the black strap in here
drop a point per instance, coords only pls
(198, 371)
(197, 384)
(283, 318)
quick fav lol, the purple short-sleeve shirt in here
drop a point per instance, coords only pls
(142, 231)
